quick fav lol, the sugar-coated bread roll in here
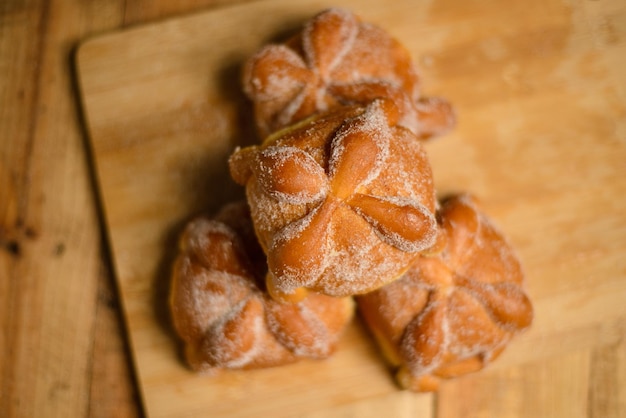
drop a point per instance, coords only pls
(223, 313)
(341, 202)
(335, 60)
(452, 313)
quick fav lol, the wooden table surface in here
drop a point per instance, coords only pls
(63, 346)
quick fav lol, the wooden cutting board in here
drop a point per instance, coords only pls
(540, 91)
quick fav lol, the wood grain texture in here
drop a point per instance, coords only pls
(581, 383)
(58, 334)
(50, 271)
(551, 72)
(607, 381)
(555, 388)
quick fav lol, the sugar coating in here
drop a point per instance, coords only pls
(416, 215)
(278, 168)
(301, 328)
(222, 312)
(308, 237)
(327, 39)
(346, 206)
(463, 305)
(349, 147)
(234, 341)
(278, 80)
(335, 60)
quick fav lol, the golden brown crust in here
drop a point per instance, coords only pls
(452, 313)
(222, 312)
(337, 60)
(341, 203)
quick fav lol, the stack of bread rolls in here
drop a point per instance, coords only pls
(341, 208)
